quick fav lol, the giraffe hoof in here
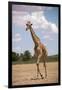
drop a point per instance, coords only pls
(42, 77)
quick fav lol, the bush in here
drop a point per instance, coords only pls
(15, 56)
(26, 56)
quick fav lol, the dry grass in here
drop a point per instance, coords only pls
(24, 74)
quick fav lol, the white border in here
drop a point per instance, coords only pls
(4, 42)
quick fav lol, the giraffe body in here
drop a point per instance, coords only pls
(40, 51)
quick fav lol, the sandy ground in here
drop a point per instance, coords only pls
(25, 74)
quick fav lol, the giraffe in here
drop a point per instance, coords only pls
(40, 51)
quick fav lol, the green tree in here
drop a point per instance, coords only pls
(27, 55)
(15, 56)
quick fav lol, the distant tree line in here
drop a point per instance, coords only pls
(15, 56)
(26, 57)
(23, 56)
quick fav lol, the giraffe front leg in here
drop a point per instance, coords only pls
(38, 70)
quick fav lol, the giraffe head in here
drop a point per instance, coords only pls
(29, 25)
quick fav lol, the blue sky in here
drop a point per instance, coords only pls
(45, 25)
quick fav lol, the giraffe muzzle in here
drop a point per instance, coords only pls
(26, 29)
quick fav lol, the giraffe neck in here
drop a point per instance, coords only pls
(35, 38)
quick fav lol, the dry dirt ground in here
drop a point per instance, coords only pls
(25, 74)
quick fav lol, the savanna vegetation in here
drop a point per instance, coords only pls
(26, 58)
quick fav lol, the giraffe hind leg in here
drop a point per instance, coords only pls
(37, 71)
(45, 68)
(45, 72)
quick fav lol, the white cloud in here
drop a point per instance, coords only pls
(17, 13)
(28, 8)
(17, 38)
(37, 18)
(16, 49)
(17, 35)
(53, 27)
(46, 37)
